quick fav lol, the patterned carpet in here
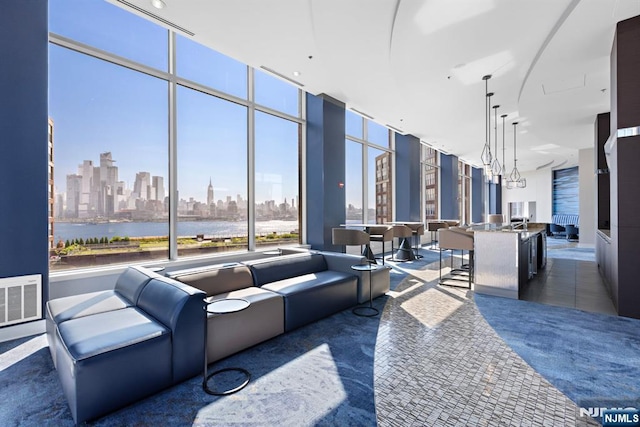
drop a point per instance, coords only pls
(429, 359)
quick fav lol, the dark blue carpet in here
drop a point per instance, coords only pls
(320, 375)
(592, 358)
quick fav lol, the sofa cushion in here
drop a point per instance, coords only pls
(285, 267)
(312, 296)
(217, 279)
(66, 308)
(91, 335)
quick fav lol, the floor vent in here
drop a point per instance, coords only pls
(20, 299)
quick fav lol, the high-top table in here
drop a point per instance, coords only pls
(405, 252)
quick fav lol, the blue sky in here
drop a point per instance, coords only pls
(99, 107)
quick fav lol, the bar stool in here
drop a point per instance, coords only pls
(401, 232)
(457, 238)
(350, 237)
(433, 227)
(496, 219)
(381, 233)
(417, 230)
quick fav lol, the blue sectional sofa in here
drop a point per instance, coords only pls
(113, 348)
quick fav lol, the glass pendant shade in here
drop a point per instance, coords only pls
(515, 180)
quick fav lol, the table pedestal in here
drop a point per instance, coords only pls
(222, 307)
(370, 310)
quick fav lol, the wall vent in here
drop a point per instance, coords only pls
(156, 17)
(20, 299)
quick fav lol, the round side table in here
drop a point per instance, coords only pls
(221, 307)
(366, 310)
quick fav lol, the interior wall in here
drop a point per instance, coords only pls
(24, 145)
(538, 189)
(587, 193)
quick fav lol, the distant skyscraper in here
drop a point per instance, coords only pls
(85, 205)
(157, 188)
(106, 187)
(210, 193)
(74, 190)
(142, 185)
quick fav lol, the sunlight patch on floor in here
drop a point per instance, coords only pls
(22, 351)
(432, 306)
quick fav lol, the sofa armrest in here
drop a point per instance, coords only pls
(180, 308)
(378, 281)
(337, 261)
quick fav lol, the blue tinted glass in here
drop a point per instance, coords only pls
(353, 124)
(275, 93)
(276, 178)
(206, 66)
(212, 145)
(377, 134)
(110, 28)
(111, 157)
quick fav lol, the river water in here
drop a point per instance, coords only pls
(219, 229)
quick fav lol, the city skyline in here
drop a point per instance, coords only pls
(95, 191)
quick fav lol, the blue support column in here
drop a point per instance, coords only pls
(477, 205)
(449, 205)
(24, 147)
(407, 184)
(325, 175)
(495, 198)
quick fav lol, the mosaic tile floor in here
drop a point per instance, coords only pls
(438, 363)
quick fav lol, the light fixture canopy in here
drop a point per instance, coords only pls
(158, 4)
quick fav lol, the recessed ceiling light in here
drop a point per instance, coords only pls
(158, 4)
(296, 73)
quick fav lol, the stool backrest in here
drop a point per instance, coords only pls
(401, 231)
(349, 237)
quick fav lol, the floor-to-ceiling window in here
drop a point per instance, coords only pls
(208, 148)
(431, 182)
(369, 173)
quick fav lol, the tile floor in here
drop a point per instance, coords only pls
(439, 363)
(569, 283)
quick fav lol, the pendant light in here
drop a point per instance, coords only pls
(515, 180)
(496, 167)
(504, 165)
(486, 150)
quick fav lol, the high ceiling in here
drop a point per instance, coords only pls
(417, 65)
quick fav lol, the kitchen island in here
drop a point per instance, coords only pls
(505, 259)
